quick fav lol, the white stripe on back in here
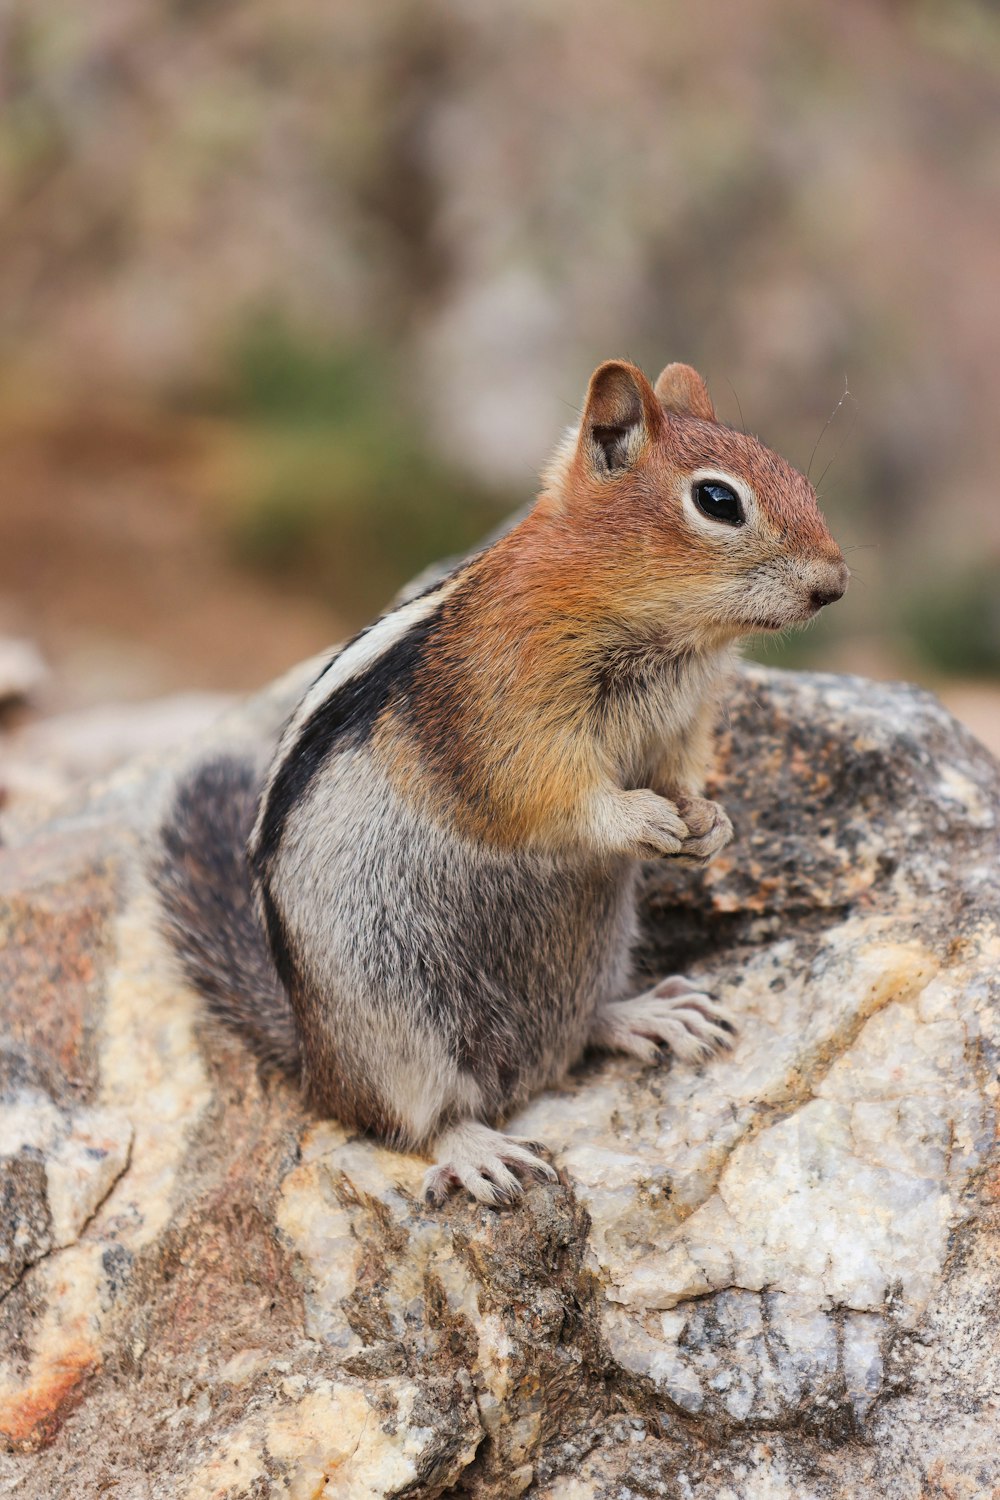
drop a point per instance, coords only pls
(366, 650)
(353, 661)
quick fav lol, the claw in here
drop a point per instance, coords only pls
(486, 1164)
(674, 1016)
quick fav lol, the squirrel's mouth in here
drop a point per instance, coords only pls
(768, 627)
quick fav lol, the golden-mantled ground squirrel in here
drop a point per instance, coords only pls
(435, 913)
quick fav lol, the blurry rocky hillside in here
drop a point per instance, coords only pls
(294, 296)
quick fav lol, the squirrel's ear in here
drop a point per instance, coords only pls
(682, 392)
(621, 411)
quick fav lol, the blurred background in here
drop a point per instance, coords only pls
(296, 296)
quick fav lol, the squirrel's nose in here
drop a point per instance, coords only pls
(819, 597)
(834, 589)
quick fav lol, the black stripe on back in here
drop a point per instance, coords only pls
(346, 717)
(277, 937)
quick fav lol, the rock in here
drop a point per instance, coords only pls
(71, 1164)
(41, 763)
(773, 1276)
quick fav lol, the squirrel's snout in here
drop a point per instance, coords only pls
(833, 588)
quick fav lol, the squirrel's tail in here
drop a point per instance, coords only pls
(201, 875)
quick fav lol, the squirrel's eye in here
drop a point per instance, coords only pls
(719, 502)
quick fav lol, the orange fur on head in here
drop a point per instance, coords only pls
(621, 496)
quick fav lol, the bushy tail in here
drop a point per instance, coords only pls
(200, 872)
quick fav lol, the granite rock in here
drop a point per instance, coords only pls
(775, 1275)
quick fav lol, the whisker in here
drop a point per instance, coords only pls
(826, 427)
(739, 408)
(824, 473)
(839, 448)
(743, 423)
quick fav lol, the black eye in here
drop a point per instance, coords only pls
(719, 502)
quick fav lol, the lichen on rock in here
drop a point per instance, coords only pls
(773, 1275)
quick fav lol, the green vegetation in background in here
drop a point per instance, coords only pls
(346, 496)
(955, 628)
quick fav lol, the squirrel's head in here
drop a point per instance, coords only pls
(702, 527)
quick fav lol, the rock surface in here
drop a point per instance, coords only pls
(774, 1276)
(44, 760)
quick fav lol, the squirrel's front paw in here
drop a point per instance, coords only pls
(709, 828)
(651, 826)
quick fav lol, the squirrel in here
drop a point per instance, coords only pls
(424, 909)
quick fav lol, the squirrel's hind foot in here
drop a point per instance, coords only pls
(486, 1163)
(672, 1016)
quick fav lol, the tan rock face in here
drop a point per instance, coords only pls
(776, 1275)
